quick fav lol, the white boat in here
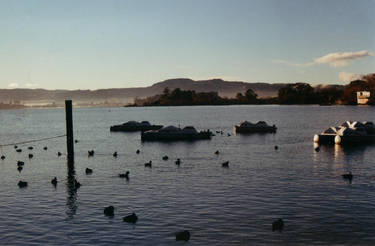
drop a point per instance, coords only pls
(350, 132)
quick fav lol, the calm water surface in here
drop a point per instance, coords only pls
(234, 206)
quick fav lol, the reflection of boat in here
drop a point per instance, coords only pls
(132, 126)
(348, 133)
(248, 127)
(171, 133)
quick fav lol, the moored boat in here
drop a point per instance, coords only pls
(172, 133)
(260, 126)
(133, 126)
(350, 132)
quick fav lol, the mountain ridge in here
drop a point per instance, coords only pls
(224, 88)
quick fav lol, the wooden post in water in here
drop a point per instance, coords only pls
(69, 134)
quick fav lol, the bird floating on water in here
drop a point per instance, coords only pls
(88, 171)
(225, 164)
(115, 154)
(91, 153)
(182, 235)
(278, 225)
(76, 184)
(109, 211)
(148, 164)
(348, 176)
(124, 175)
(217, 152)
(54, 181)
(131, 218)
(178, 161)
(3, 157)
(22, 184)
(165, 157)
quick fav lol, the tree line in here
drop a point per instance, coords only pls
(297, 93)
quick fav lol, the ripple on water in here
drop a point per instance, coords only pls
(234, 206)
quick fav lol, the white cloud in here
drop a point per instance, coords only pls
(31, 85)
(348, 77)
(340, 59)
(13, 85)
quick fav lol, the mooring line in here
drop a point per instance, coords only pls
(32, 141)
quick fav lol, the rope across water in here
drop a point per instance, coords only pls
(32, 141)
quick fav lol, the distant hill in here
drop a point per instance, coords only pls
(224, 88)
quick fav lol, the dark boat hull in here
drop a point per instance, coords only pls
(153, 136)
(270, 129)
(344, 140)
(122, 128)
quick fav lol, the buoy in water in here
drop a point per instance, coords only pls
(316, 138)
(338, 139)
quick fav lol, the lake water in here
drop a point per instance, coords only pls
(219, 206)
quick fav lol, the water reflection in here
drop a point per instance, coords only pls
(337, 158)
(72, 193)
(349, 153)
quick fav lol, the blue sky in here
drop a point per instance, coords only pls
(109, 44)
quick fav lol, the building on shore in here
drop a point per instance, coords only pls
(363, 97)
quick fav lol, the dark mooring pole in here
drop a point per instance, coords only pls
(69, 134)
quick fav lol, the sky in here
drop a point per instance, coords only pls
(89, 44)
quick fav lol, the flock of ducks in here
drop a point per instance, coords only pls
(108, 211)
(277, 225)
